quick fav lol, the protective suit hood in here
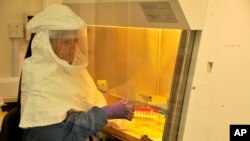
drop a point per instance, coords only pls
(52, 19)
(63, 18)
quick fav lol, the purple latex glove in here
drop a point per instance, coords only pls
(119, 110)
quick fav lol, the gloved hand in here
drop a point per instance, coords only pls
(119, 110)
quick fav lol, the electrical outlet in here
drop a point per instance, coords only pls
(16, 30)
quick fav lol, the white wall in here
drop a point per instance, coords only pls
(13, 11)
(221, 97)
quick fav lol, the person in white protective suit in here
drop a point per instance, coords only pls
(59, 100)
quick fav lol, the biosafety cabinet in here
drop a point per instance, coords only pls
(143, 50)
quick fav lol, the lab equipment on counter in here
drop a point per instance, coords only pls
(147, 121)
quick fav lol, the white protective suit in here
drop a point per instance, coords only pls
(51, 86)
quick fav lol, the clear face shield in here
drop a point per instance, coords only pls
(70, 45)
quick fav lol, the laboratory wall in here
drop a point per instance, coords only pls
(12, 12)
(218, 95)
(16, 12)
